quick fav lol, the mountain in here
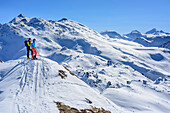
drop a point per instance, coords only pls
(152, 38)
(134, 34)
(130, 37)
(114, 34)
(52, 35)
(80, 68)
(111, 34)
(154, 31)
(156, 41)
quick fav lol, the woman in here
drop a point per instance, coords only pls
(34, 52)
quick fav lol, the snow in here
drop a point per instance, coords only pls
(33, 85)
(115, 74)
(152, 38)
(128, 98)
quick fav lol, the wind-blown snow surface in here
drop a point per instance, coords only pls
(125, 76)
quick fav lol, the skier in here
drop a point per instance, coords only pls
(28, 45)
(34, 52)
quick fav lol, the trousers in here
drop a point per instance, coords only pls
(34, 53)
(28, 51)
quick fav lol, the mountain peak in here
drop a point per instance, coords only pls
(111, 34)
(21, 16)
(64, 19)
(154, 30)
(18, 18)
(161, 31)
(136, 32)
(109, 31)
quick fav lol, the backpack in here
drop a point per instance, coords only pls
(25, 43)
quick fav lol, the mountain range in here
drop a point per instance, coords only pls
(152, 38)
(80, 70)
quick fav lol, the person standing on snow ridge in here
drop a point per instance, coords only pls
(28, 45)
(34, 52)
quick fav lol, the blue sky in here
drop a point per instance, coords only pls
(122, 16)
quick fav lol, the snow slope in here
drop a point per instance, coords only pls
(32, 86)
(118, 71)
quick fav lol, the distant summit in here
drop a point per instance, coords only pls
(154, 31)
(152, 38)
(134, 34)
(111, 34)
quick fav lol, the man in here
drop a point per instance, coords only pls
(34, 52)
(28, 45)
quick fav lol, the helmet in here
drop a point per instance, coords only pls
(34, 39)
(29, 39)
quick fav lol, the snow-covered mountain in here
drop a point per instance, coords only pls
(154, 31)
(114, 34)
(157, 41)
(152, 38)
(114, 74)
(134, 34)
(111, 34)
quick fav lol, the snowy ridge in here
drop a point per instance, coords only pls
(118, 71)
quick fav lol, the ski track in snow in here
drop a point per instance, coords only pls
(34, 82)
(36, 90)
